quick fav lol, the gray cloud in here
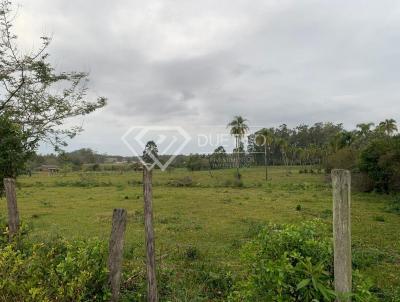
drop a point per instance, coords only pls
(201, 62)
(198, 73)
(161, 106)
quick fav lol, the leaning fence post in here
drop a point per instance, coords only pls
(152, 295)
(115, 251)
(341, 182)
(13, 215)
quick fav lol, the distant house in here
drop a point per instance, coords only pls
(51, 169)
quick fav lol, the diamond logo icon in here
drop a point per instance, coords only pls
(170, 140)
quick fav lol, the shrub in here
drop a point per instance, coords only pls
(360, 181)
(197, 162)
(381, 161)
(217, 282)
(3, 232)
(253, 227)
(291, 263)
(192, 253)
(134, 284)
(59, 270)
(345, 158)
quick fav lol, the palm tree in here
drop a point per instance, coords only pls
(341, 140)
(292, 150)
(387, 127)
(302, 157)
(238, 128)
(264, 138)
(364, 129)
(283, 146)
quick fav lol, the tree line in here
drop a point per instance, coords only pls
(371, 150)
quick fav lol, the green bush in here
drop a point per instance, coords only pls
(345, 158)
(217, 282)
(134, 284)
(197, 162)
(292, 263)
(381, 161)
(58, 270)
(192, 253)
(3, 231)
(361, 182)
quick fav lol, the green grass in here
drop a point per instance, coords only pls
(207, 218)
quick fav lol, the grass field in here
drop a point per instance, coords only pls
(203, 225)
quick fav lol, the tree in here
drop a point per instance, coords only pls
(364, 129)
(13, 154)
(36, 97)
(79, 157)
(238, 128)
(218, 158)
(341, 140)
(265, 138)
(283, 145)
(301, 137)
(196, 162)
(387, 127)
(363, 134)
(150, 152)
(381, 161)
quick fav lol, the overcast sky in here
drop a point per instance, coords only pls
(196, 63)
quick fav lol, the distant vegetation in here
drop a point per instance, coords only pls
(371, 153)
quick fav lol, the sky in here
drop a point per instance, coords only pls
(196, 64)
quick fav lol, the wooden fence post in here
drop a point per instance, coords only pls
(152, 295)
(341, 182)
(115, 251)
(13, 215)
